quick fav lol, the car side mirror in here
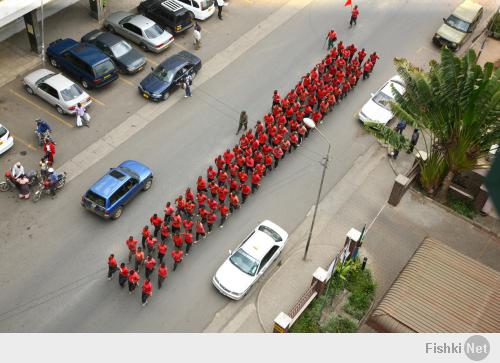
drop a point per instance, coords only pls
(230, 252)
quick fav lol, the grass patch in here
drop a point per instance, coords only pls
(339, 324)
(463, 207)
(362, 290)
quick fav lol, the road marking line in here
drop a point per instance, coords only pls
(151, 61)
(42, 109)
(97, 101)
(150, 112)
(25, 143)
(126, 81)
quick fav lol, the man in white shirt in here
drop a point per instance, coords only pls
(17, 170)
(220, 5)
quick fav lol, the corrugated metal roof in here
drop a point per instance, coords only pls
(441, 290)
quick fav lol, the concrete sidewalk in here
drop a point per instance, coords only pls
(393, 235)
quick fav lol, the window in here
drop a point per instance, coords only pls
(457, 23)
(154, 31)
(268, 257)
(104, 67)
(44, 78)
(117, 175)
(120, 49)
(118, 194)
(244, 262)
(130, 183)
(163, 74)
(3, 131)
(71, 92)
(187, 2)
(93, 197)
(271, 233)
(49, 90)
(132, 28)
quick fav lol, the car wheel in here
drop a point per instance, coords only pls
(85, 84)
(118, 213)
(144, 47)
(29, 90)
(59, 110)
(193, 75)
(191, 14)
(166, 96)
(53, 62)
(147, 184)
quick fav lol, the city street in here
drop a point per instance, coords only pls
(54, 253)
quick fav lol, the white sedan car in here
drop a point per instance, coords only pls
(377, 109)
(250, 260)
(6, 139)
(57, 90)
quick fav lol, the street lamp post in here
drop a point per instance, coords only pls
(42, 31)
(310, 123)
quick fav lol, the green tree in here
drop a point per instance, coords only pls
(456, 106)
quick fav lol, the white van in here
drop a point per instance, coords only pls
(200, 9)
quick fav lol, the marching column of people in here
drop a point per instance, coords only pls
(237, 173)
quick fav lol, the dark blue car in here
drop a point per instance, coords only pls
(84, 62)
(168, 75)
(118, 187)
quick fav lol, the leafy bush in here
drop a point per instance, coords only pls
(432, 172)
(463, 207)
(362, 290)
(339, 324)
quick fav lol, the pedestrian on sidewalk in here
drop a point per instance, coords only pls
(112, 266)
(220, 5)
(400, 126)
(243, 124)
(200, 231)
(354, 15)
(162, 274)
(188, 239)
(132, 247)
(197, 36)
(150, 266)
(188, 82)
(177, 256)
(133, 281)
(156, 222)
(162, 251)
(145, 234)
(147, 291)
(139, 258)
(413, 141)
(123, 276)
(82, 117)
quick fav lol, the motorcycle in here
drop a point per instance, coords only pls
(44, 187)
(43, 137)
(10, 184)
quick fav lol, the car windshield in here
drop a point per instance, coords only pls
(457, 23)
(120, 49)
(3, 131)
(244, 262)
(44, 78)
(154, 31)
(164, 74)
(102, 68)
(71, 92)
(130, 172)
(382, 100)
(126, 19)
(271, 233)
(205, 4)
(93, 197)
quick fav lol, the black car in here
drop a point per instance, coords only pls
(168, 75)
(127, 59)
(168, 14)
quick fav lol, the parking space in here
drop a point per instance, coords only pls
(113, 103)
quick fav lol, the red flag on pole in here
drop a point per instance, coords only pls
(348, 3)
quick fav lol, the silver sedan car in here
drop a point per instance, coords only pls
(57, 90)
(139, 29)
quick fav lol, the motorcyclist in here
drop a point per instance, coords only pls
(52, 179)
(17, 171)
(42, 128)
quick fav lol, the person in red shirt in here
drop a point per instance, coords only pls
(269, 164)
(243, 176)
(177, 256)
(177, 238)
(228, 157)
(233, 170)
(123, 276)
(203, 213)
(373, 58)
(162, 251)
(151, 244)
(188, 240)
(346, 53)
(266, 149)
(224, 211)
(139, 258)
(332, 37)
(249, 163)
(112, 266)
(352, 50)
(132, 247)
(245, 192)
(211, 173)
(213, 204)
(234, 202)
(285, 146)
(222, 178)
(201, 198)
(223, 194)
(201, 184)
(278, 153)
(214, 189)
(147, 291)
(211, 218)
(354, 15)
(176, 222)
(180, 204)
(294, 141)
(162, 274)
(189, 195)
(260, 169)
(233, 185)
(361, 55)
(367, 69)
(150, 265)
(276, 98)
(156, 222)
(200, 230)
(219, 162)
(164, 232)
(169, 212)
(133, 281)
(259, 127)
(190, 207)
(188, 225)
(255, 181)
(145, 234)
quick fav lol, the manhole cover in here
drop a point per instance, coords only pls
(23, 153)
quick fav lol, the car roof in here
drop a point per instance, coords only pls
(89, 54)
(108, 184)
(258, 245)
(173, 6)
(136, 167)
(59, 82)
(108, 38)
(141, 21)
(174, 62)
(467, 10)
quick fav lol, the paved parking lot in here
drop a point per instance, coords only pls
(116, 101)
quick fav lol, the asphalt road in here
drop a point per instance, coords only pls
(53, 254)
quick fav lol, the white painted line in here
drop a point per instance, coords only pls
(149, 112)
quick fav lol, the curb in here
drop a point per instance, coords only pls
(451, 211)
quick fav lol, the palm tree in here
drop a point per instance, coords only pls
(456, 105)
